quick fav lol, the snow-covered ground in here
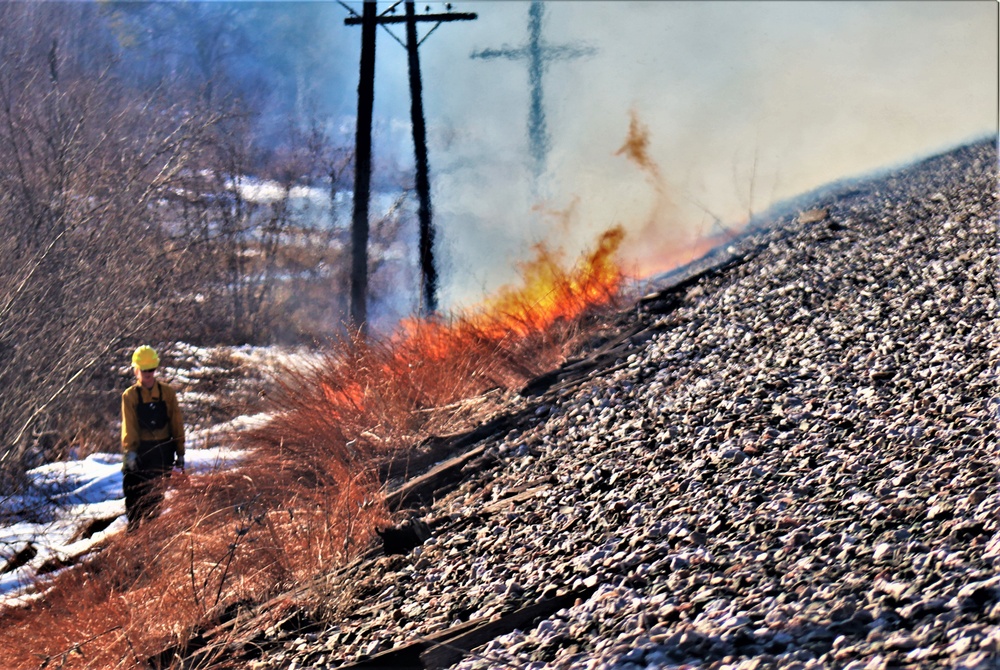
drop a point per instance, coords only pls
(71, 507)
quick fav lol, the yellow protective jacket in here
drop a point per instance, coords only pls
(132, 434)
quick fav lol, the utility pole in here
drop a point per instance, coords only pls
(362, 173)
(539, 55)
(369, 20)
(428, 272)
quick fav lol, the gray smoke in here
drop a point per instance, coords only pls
(743, 104)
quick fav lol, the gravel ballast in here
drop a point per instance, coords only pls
(792, 464)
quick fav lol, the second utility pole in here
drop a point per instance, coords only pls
(423, 182)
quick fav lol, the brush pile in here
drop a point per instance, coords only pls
(788, 462)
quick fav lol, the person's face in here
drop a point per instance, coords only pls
(146, 377)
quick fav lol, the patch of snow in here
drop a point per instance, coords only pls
(77, 493)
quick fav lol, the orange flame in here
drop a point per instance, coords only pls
(552, 292)
(432, 362)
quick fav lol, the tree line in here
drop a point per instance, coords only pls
(129, 137)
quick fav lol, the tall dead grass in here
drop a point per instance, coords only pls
(223, 540)
(306, 499)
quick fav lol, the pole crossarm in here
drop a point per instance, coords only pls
(441, 18)
(385, 19)
(549, 53)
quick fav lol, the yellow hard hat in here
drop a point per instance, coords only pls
(145, 358)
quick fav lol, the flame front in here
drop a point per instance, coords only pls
(552, 292)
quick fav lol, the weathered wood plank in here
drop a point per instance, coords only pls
(450, 650)
(446, 647)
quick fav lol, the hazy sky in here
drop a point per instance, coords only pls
(743, 104)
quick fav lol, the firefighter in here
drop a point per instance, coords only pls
(152, 438)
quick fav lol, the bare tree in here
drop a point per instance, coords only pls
(126, 220)
(82, 164)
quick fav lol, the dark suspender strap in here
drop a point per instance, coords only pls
(169, 422)
(138, 392)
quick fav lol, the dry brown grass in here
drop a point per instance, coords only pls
(306, 499)
(225, 539)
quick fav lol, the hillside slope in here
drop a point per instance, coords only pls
(787, 461)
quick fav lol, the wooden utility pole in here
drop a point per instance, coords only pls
(362, 173)
(539, 55)
(359, 236)
(428, 272)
